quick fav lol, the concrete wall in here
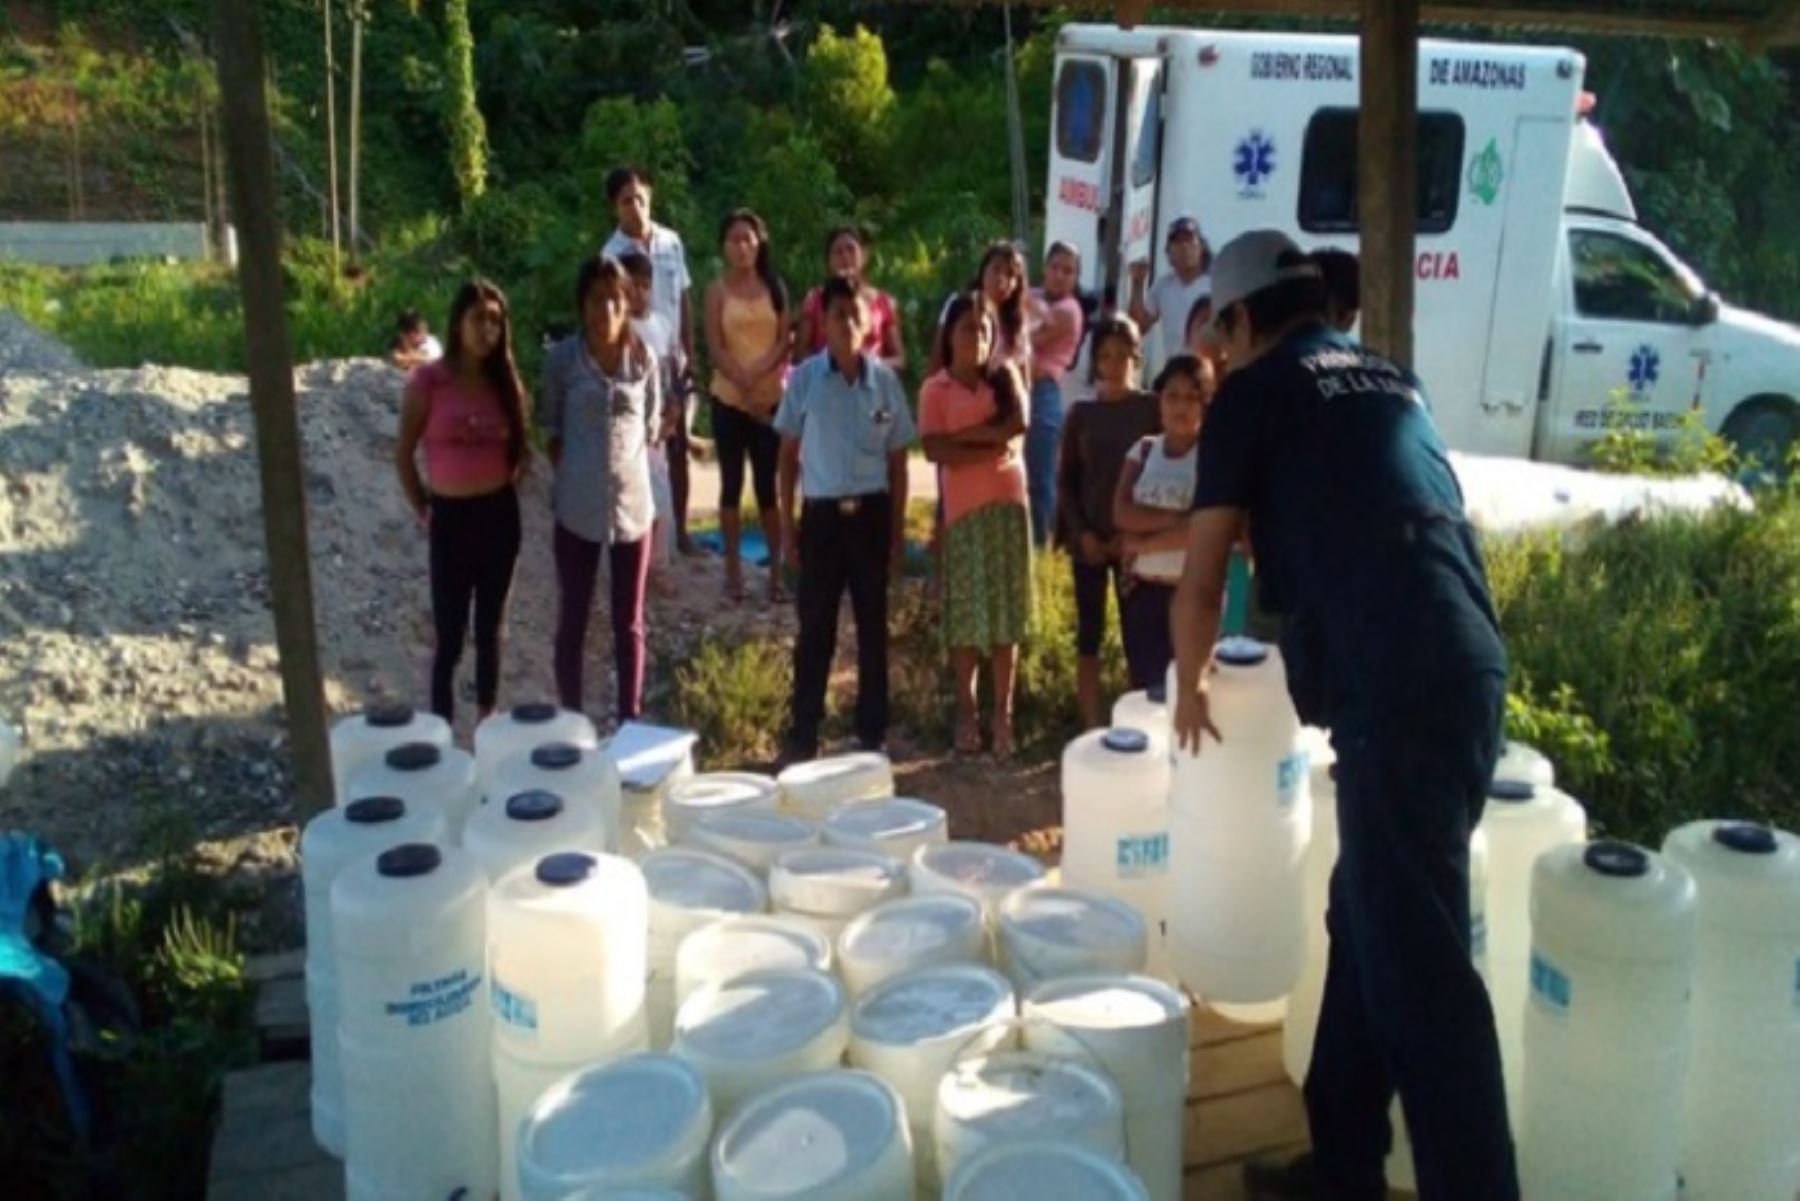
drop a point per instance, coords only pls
(79, 243)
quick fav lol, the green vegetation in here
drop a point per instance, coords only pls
(165, 1012)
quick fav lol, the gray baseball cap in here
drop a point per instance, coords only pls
(1254, 261)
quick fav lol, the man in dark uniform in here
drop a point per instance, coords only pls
(1328, 452)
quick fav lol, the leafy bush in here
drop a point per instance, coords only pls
(1661, 662)
(1629, 447)
(734, 694)
(847, 101)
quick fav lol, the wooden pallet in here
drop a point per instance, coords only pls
(1240, 1104)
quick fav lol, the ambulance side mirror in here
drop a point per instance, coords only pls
(1705, 310)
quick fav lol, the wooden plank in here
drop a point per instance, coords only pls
(1387, 173)
(1222, 1182)
(1251, 1123)
(1207, 1028)
(283, 1024)
(259, 969)
(1235, 1067)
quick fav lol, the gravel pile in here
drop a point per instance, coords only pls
(136, 646)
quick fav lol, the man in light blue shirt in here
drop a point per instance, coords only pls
(844, 429)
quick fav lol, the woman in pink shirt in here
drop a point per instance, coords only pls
(971, 417)
(846, 254)
(467, 412)
(1056, 329)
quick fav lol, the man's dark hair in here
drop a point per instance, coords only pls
(620, 178)
(1343, 277)
(838, 287)
(638, 266)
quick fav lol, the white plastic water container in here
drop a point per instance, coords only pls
(896, 826)
(825, 1136)
(1607, 1028)
(1115, 813)
(372, 733)
(688, 889)
(567, 957)
(715, 792)
(333, 840)
(409, 930)
(1145, 709)
(913, 1029)
(814, 788)
(1741, 1135)
(1302, 1020)
(980, 870)
(760, 1028)
(1136, 1028)
(518, 1086)
(1047, 933)
(754, 838)
(1519, 761)
(639, 1122)
(506, 732)
(829, 886)
(1025, 1096)
(909, 935)
(1522, 820)
(425, 776)
(523, 827)
(722, 951)
(1044, 1171)
(1240, 818)
(580, 775)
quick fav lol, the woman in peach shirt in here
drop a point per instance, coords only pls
(972, 418)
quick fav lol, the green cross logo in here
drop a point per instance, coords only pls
(1485, 173)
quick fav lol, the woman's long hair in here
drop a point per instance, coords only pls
(765, 266)
(1011, 311)
(501, 373)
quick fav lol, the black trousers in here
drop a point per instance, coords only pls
(843, 545)
(474, 547)
(1404, 1008)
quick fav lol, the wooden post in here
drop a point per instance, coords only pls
(359, 17)
(1387, 173)
(250, 163)
(331, 159)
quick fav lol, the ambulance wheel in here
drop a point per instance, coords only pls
(1764, 432)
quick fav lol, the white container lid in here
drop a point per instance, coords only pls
(758, 1016)
(897, 826)
(834, 881)
(686, 878)
(731, 947)
(505, 833)
(948, 1002)
(1519, 761)
(1011, 1096)
(1747, 875)
(816, 787)
(1057, 931)
(715, 792)
(634, 1121)
(836, 1134)
(979, 869)
(1135, 1026)
(753, 838)
(910, 933)
(1043, 1171)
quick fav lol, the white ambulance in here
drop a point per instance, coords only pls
(1540, 300)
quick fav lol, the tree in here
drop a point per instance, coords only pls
(331, 156)
(850, 105)
(468, 133)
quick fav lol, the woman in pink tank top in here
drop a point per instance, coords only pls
(466, 412)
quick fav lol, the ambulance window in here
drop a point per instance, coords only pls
(1143, 163)
(1080, 110)
(1328, 202)
(1618, 279)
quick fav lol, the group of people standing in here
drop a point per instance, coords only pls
(1031, 408)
